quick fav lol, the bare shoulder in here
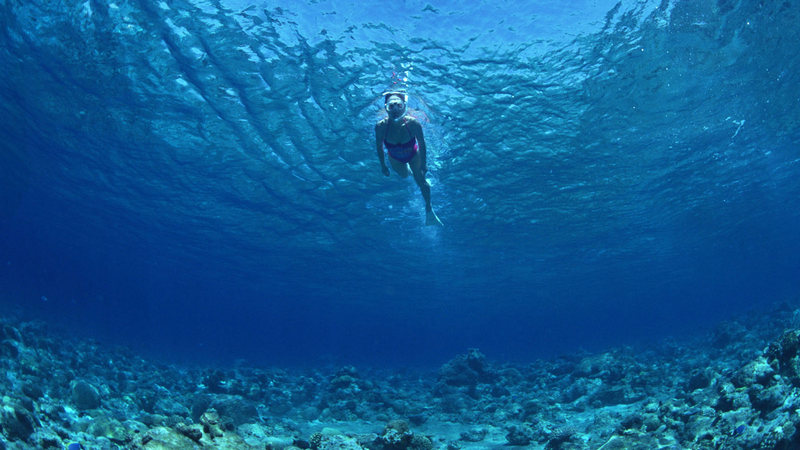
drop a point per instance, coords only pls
(413, 124)
(381, 124)
(411, 120)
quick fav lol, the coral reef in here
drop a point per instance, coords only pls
(736, 388)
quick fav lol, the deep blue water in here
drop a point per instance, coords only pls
(197, 178)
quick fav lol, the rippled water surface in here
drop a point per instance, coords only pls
(202, 174)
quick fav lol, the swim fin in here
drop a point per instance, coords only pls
(432, 219)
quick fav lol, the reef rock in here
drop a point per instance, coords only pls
(16, 422)
(466, 370)
(85, 396)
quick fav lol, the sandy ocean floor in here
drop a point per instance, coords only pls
(738, 387)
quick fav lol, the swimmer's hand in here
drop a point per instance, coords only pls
(385, 170)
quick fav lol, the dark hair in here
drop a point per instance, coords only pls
(403, 96)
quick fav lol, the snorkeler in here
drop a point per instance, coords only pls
(402, 136)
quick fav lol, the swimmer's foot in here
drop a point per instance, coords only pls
(431, 218)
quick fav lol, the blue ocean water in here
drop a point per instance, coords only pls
(198, 179)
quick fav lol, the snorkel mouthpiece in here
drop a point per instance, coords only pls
(396, 112)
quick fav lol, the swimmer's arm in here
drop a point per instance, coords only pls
(416, 128)
(379, 133)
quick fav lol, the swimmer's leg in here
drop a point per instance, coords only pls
(425, 189)
(399, 167)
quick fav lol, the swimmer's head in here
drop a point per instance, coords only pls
(395, 104)
(402, 96)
